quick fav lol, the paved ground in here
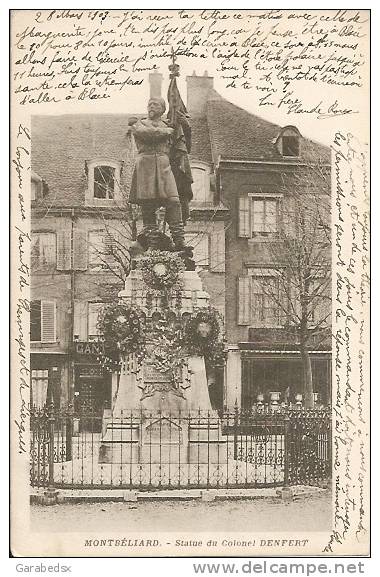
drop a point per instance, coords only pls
(306, 513)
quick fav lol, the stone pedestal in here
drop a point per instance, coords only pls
(155, 418)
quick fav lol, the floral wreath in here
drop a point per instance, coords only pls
(122, 327)
(203, 335)
(161, 270)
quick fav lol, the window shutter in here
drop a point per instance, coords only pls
(80, 250)
(64, 250)
(114, 249)
(217, 255)
(35, 321)
(48, 324)
(93, 315)
(80, 320)
(282, 317)
(110, 242)
(244, 300)
(244, 217)
(40, 380)
(295, 306)
(286, 218)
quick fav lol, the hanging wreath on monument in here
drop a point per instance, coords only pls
(122, 328)
(203, 335)
(161, 270)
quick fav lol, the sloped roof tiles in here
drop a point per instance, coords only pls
(62, 144)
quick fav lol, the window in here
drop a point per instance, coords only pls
(43, 321)
(201, 184)
(265, 310)
(312, 218)
(39, 382)
(103, 181)
(97, 250)
(290, 146)
(43, 252)
(258, 300)
(93, 314)
(288, 142)
(319, 301)
(259, 216)
(264, 217)
(104, 250)
(200, 242)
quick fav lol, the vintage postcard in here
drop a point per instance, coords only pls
(190, 282)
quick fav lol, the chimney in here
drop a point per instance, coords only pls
(155, 82)
(198, 88)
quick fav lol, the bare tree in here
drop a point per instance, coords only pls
(299, 286)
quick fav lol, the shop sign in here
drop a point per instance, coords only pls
(90, 371)
(89, 348)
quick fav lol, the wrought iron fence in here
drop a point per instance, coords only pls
(179, 450)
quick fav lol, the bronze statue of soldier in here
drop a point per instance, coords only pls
(155, 178)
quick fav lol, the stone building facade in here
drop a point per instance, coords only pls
(81, 228)
(244, 169)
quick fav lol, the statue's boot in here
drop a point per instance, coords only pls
(185, 252)
(178, 235)
(153, 235)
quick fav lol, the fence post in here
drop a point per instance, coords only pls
(236, 425)
(286, 450)
(286, 492)
(69, 433)
(50, 495)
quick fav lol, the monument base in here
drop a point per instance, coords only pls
(162, 417)
(163, 439)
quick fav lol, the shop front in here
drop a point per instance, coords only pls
(92, 384)
(49, 378)
(277, 377)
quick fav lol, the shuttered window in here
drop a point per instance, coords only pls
(319, 308)
(265, 302)
(259, 301)
(244, 217)
(64, 250)
(244, 300)
(48, 322)
(97, 249)
(43, 250)
(80, 250)
(93, 315)
(259, 216)
(80, 320)
(43, 321)
(35, 321)
(264, 218)
(39, 383)
(102, 248)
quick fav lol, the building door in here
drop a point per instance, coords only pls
(92, 392)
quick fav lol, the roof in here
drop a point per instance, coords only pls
(62, 144)
(238, 134)
(200, 140)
